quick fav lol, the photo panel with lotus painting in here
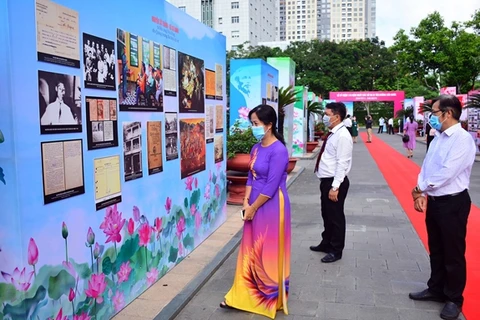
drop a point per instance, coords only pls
(191, 79)
(192, 146)
(140, 72)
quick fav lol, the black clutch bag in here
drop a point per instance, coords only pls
(406, 138)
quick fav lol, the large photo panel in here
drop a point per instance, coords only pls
(140, 72)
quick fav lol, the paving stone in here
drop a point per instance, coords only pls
(382, 262)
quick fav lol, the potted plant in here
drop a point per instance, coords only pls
(239, 144)
(396, 125)
(313, 107)
(319, 130)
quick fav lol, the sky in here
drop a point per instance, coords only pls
(393, 15)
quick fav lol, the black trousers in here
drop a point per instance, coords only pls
(446, 221)
(380, 129)
(333, 236)
(390, 129)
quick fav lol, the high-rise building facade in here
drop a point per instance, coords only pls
(240, 21)
(334, 20)
(301, 20)
(352, 19)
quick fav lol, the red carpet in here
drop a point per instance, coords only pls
(401, 176)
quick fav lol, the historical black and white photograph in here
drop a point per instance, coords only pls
(99, 61)
(60, 103)
(132, 150)
(171, 135)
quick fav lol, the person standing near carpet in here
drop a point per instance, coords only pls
(354, 129)
(410, 129)
(368, 125)
(262, 276)
(333, 164)
(443, 182)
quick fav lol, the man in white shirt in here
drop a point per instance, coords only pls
(390, 126)
(58, 112)
(348, 123)
(333, 164)
(443, 182)
(381, 123)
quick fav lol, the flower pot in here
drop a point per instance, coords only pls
(237, 182)
(311, 146)
(239, 163)
(291, 164)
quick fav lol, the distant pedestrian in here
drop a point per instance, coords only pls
(390, 126)
(368, 125)
(333, 164)
(444, 180)
(381, 124)
(354, 129)
(410, 130)
(348, 123)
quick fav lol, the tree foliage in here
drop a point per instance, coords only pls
(420, 62)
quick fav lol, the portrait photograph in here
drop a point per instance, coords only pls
(99, 61)
(191, 97)
(60, 103)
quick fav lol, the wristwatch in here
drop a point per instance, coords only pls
(417, 190)
(334, 189)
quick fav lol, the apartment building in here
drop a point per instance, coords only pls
(301, 20)
(240, 21)
(352, 19)
(334, 20)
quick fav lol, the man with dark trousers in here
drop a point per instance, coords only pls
(443, 182)
(333, 164)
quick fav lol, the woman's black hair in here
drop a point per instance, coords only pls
(267, 115)
(411, 118)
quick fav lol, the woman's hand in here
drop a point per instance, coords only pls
(249, 212)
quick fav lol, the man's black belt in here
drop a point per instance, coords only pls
(447, 196)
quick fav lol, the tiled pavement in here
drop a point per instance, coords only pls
(383, 259)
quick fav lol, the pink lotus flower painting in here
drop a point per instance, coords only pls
(124, 252)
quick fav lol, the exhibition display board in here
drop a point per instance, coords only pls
(286, 78)
(300, 122)
(112, 151)
(252, 82)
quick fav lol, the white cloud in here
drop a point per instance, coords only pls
(393, 15)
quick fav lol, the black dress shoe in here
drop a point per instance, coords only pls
(450, 311)
(331, 258)
(319, 248)
(425, 295)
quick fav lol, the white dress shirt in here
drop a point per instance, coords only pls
(390, 122)
(347, 122)
(57, 113)
(448, 163)
(336, 160)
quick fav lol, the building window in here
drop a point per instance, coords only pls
(235, 34)
(183, 8)
(235, 19)
(235, 5)
(220, 20)
(207, 12)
